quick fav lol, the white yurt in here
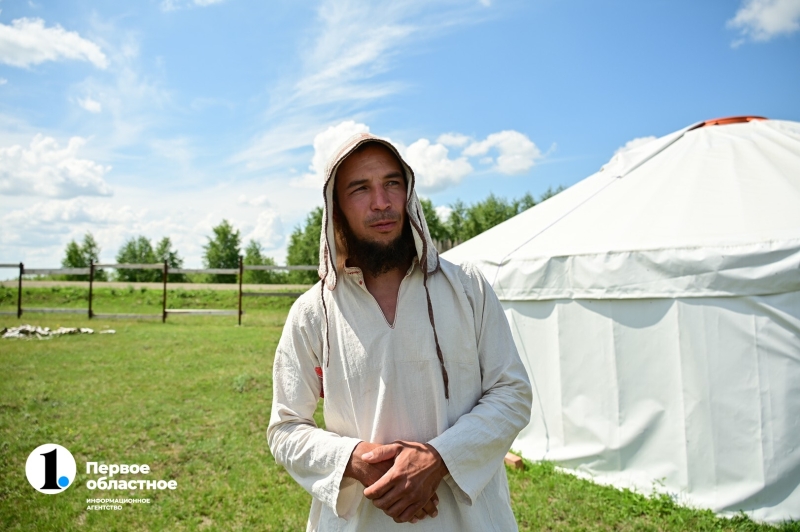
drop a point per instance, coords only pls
(656, 305)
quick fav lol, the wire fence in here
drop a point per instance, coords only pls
(165, 271)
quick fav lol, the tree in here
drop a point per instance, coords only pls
(437, 229)
(91, 253)
(304, 248)
(164, 252)
(550, 192)
(81, 256)
(486, 214)
(137, 250)
(222, 251)
(73, 256)
(456, 222)
(466, 222)
(253, 256)
(463, 223)
(525, 202)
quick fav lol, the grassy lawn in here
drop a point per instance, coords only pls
(191, 398)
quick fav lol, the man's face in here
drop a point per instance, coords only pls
(371, 192)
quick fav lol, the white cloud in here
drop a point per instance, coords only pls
(93, 106)
(178, 150)
(268, 230)
(174, 5)
(432, 164)
(443, 212)
(45, 169)
(456, 140)
(258, 201)
(433, 169)
(761, 20)
(28, 42)
(356, 42)
(359, 40)
(325, 144)
(54, 222)
(136, 106)
(517, 153)
(635, 143)
(38, 233)
(343, 68)
(71, 211)
(3, 81)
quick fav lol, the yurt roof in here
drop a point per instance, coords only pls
(710, 210)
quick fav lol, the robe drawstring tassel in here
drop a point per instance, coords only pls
(436, 336)
(326, 351)
(424, 265)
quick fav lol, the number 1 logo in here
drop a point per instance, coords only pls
(50, 468)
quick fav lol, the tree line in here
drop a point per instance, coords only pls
(221, 251)
(465, 221)
(224, 245)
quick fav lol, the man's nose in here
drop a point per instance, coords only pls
(380, 199)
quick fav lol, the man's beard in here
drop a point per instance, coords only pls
(376, 258)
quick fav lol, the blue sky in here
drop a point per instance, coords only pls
(163, 117)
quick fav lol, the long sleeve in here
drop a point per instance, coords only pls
(314, 457)
(474, 447)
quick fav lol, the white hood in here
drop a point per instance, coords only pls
(328, 264)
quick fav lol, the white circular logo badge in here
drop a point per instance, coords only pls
(50, 468)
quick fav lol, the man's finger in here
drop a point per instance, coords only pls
(408, 513)
(432, 506)
(378, 489)
(379, 454)
(402, 508)
(388, 499)
(401, 511)
(429, 510)
(382, 486)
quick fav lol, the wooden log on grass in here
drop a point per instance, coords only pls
(512, 460)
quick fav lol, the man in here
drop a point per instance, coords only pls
(423, 388)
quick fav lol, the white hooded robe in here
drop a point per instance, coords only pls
(383, 382)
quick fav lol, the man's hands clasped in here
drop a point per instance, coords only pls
(401, 478)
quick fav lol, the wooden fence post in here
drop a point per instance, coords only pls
(241, 274)
(164, 275)
(91, 281)
(19, 291)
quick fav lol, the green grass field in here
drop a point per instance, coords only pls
(191, 398)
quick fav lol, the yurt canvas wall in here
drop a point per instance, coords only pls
(656, 305)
